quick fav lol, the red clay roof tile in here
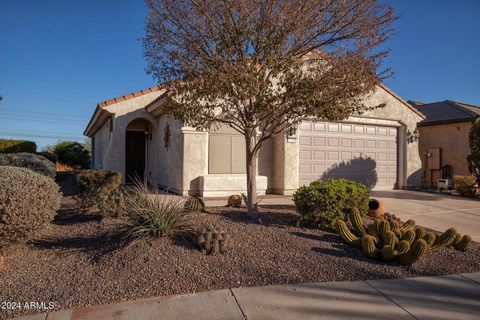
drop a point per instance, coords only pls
(135, 94)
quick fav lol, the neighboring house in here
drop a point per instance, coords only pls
(132, 135)
(443, 140)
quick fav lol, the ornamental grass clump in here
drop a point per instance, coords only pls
(28, 201)
(148, 214)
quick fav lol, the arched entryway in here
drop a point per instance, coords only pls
(137, 134)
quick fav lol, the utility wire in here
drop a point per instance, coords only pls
(39, 119)
(41, 112)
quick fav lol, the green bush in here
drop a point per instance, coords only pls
(72, 153)
(49, 155)
(465, 185)
(474, 157)
(30, 161)
(151, 215)
(15, 146)
(28, 201)
(96, 186)
(321, 203)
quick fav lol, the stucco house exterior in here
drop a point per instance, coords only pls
(443, 140)
(132, 135)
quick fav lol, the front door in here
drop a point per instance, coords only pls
(134, 155)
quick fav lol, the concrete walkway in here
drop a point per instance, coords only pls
(432, 210)
(443, 297)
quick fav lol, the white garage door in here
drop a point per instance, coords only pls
(364, 153)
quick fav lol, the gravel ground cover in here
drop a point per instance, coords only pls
(79, 260)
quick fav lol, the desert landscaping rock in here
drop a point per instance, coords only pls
(80, 261)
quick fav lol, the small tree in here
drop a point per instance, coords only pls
(260, 66)
(72, 153)
(474, 157)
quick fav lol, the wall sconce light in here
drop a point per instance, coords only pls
(412, 136)
(291, 132)
(148, 134)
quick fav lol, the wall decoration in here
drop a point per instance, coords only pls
(166, 136)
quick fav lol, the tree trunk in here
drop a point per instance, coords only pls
(251, 163)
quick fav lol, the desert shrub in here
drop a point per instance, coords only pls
(72, 153)
(30, 161)
(474, 157)
(151, 215)
(15, 146)
(49, 155)
(321, 203)
(28, 201)
(465, 185)
(96, 186)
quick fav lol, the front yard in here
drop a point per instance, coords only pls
(79, 259)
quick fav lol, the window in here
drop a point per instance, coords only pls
(226, 152)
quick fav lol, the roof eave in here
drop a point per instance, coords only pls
(447, 121)
(393, 94)
(99, 118)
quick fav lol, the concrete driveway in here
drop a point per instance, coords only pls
(435, 211)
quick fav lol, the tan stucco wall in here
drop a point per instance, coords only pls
(452, 139)
(395, 113)
(169, 160)
(180, 167)
(164, 166)
(195, 164)
(395, 110)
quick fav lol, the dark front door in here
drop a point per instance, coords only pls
(134, 155)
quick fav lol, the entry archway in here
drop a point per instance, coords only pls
(137, 134)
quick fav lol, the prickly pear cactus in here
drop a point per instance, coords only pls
(389, 239)
(210, 240)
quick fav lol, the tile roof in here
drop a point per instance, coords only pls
(131, 95)
(447, 112)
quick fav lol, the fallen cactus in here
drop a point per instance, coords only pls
(389, 240)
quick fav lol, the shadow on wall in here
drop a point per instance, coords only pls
(414, 179)
(359, 169)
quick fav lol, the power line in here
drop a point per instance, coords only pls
(37, 133)
(31, 114)
(40, 119)
(59, 137)
(41, 112)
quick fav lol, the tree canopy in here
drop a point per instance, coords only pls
(259, 66)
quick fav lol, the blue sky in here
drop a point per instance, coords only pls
(58, 59)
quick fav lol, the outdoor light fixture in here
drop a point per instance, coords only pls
(148, 134)
(412, 136)
(291, 132)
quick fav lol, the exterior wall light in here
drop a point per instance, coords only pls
(291, 132)
(412, 136)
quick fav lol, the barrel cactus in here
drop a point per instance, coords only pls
(194, 204)
(391, 240)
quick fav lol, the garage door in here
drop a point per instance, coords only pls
(364, 153)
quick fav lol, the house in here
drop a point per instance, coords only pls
(443, 140)
(131, 134)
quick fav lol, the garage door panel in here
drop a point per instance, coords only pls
(364, 153)
(319, 142)
(305, 141)
(319, 155)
